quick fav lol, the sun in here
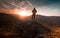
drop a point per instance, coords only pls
(23, 13)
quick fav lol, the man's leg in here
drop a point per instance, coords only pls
(34, 16)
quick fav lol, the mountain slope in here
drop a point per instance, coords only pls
(30, 29)
(10, 24)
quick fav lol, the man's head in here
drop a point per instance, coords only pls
(34, 11)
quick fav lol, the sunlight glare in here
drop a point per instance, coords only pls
(23, 13)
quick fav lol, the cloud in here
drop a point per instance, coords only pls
(48, 11)
(44, 7)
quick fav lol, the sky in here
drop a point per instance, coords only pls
(44, 7)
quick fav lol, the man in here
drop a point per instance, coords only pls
(33, 13)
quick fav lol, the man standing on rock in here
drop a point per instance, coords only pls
(34, 11)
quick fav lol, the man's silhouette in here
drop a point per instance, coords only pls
(33, 13)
